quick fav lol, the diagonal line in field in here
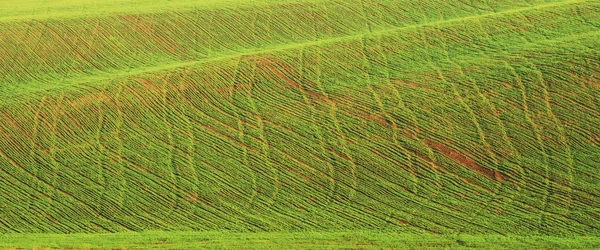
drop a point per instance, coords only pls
(165, 67)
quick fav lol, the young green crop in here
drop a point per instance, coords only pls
(290, 116)
(290, 240)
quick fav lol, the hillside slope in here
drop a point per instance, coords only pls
(440, 117)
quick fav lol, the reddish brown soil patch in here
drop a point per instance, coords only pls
(557, 183)
(195, 198)
(149, 85)
(594, 140)
(442, 168)
(464, 160)
(100, 227)
(192, 198)
(403, 221)
(411, 134)
(379, 119)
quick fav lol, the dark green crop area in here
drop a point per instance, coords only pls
(363, 123)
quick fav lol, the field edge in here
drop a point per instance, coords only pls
(286, 240)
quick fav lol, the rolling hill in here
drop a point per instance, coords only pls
(417, 117)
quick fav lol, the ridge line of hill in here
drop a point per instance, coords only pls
(72, 13)
(121, 74)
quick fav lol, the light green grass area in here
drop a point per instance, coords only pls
(264, 118)
(63, 9)
(304, 240)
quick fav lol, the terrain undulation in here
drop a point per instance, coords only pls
(431, 117)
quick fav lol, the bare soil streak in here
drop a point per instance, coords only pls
(464, 160)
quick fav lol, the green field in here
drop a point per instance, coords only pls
(286, 240)
(300, 123)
